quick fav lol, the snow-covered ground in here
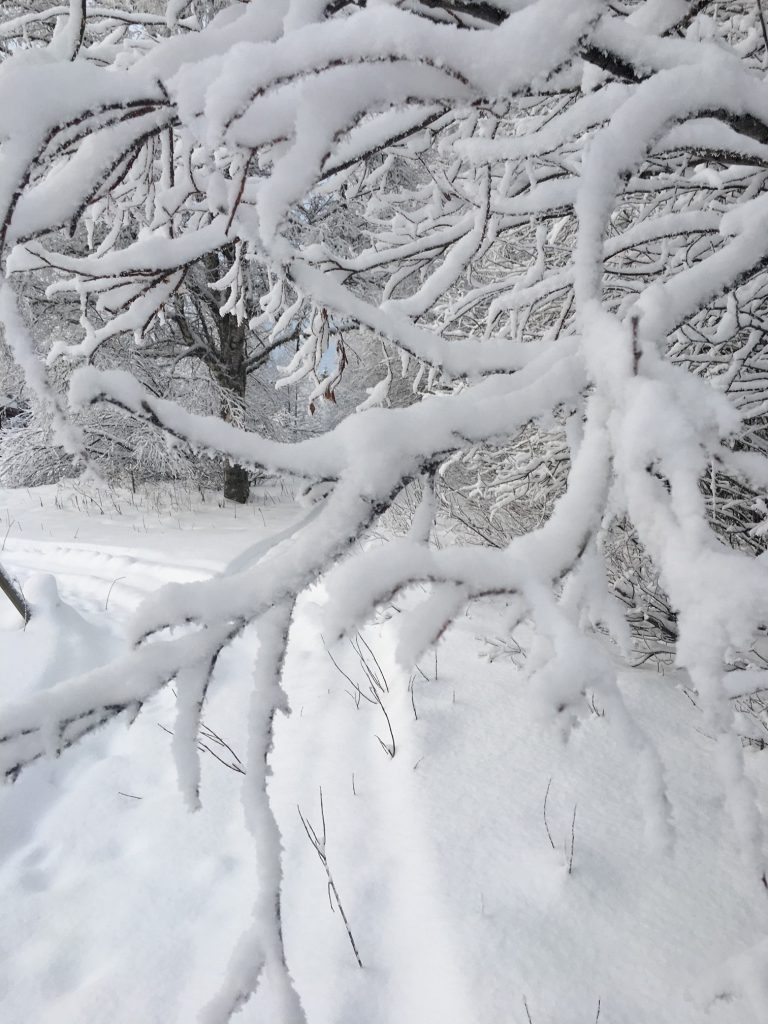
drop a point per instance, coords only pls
(467, 907)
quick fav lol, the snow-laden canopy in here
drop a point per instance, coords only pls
(555, 208)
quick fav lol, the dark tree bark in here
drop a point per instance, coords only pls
(223, 345)
(230, 370)
(237, 486)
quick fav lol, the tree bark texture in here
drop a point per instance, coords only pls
(231, 374)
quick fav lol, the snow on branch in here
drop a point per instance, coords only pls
(556, 208)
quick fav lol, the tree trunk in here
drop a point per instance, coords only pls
(231, 375)
(237, 486)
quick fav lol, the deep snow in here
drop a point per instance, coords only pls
(120, 906)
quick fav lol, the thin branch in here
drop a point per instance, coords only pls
(319, 847)
(546, 823)
(762, 23)
(14, 595)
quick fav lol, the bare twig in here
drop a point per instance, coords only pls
(371, 674)
(357, 693)
(762, 23)
(235, 765)
(5, 538)
(375, 660)
(318, 843)
(546, 823)
(209, 734)
(14, 595)
(114, 581)
(240, 191)
(391, 747)
(376, 687)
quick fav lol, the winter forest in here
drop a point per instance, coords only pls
(384, 512)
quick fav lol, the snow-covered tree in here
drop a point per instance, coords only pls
(556, 211)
